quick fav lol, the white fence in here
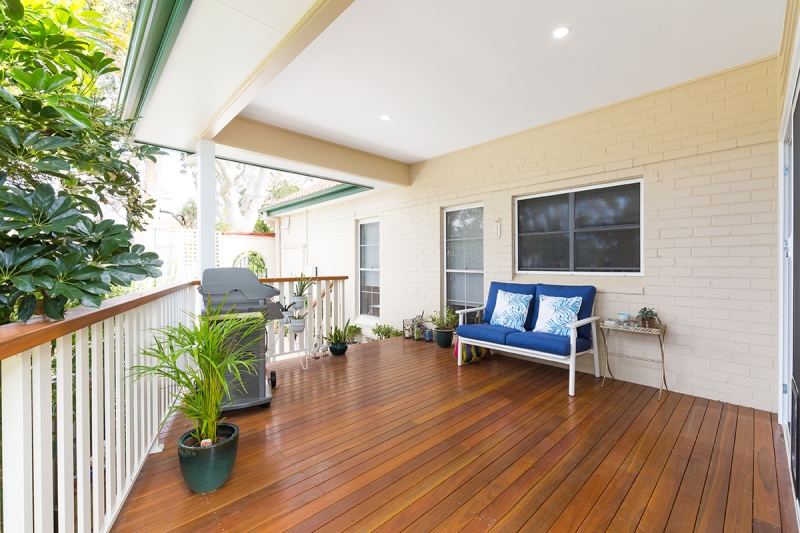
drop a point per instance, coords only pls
(82, 461)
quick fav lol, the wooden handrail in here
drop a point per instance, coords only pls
(17, 337)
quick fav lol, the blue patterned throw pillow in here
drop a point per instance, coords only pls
(555, 314)
(511, 309)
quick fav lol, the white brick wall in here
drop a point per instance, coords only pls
(707, 151)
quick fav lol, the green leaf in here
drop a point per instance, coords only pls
(24, 254)
(51, 164)
(39, 79)
(11, 133)
(14, 9)
(24, 283)
(55, 142)
(21, 77)
(74, 116)
(54, 309)
(26, 308)
(87, 272)
(76, 99)
(43, 263)
(8, 97)
(90, 204)
(125, 259)
(58, 81)
(30, 137)
(40, 280)
(91, 300)
(43, 196)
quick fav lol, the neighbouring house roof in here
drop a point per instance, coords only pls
(318, 192)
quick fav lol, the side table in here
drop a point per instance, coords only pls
(659, 332)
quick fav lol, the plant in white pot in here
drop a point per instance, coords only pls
(301, 285)
(298, 322)
(286, 310)
(445, 324)
(197, 358)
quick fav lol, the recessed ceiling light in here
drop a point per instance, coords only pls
(560, 32)
(386, 117)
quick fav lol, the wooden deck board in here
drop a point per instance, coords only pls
(394, 436)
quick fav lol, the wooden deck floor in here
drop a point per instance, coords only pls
(395, 437)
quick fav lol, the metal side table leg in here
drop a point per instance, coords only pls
(663, 372)
(606, 368)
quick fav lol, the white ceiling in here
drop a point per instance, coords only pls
(455, 73)
(220, 45)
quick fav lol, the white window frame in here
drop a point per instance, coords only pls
(361, 313)
(517, 199)
(445, 270)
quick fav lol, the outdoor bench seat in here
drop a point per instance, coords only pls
(533, 344)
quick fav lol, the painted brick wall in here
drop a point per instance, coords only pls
(707, 151)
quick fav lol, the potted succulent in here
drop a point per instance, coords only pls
(298, 322)
(352, 334)
(300, 287)
(445, 324)
(201, 359)
(337, 340)
(647, 318)
(286, 310)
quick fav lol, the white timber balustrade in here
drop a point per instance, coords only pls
(324, 308)
(76, 428)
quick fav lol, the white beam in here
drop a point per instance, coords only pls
(206, 205)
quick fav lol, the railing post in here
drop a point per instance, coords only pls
(42, 440)
(98, 459)
(17, 443)
(82, 439)
(66, 488)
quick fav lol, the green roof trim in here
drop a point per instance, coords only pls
(155, 30)
(339, 191)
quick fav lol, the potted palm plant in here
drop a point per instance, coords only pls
(337, 340)
(197, 358)
(300, 287)
(445, 324)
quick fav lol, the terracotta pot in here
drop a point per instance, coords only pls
(649, 322)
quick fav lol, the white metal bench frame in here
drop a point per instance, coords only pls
(569, 360)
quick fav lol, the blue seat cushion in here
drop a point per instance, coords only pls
(546, 342)
(484, 332)
(587, 294)
(518, 288)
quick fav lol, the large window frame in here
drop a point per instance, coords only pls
(447, 270)
(638, 273)
(362, 269)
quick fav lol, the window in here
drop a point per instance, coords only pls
(369, 288)
(463, 229)
(585, 230)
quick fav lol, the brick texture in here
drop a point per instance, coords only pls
(708, 153)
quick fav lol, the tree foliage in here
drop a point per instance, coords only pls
(55, 125)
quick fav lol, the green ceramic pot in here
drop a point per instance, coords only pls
(338, 349)
(444, 339)
(207, 469)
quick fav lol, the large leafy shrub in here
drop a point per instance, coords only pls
(55, 125)
(52, 252)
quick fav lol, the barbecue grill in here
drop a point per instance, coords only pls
(237, 291)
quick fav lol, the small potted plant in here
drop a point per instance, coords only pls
(352, 334)
(286, 310)
(201, 359)
(445, 324)
(298, 322)
(337, 340)
(647, 318)
(385, 331)
(300, 287)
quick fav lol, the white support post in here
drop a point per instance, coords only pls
(42, 440)
(64, 414)
(82, 435)
(17, 444)
(206, 205)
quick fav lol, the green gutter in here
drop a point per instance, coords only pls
(339, 191)
(155, 30)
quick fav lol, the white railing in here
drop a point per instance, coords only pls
(102, 422)
(325, 308)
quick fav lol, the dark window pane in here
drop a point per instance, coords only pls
(370, 256)
(549, 251)
(609, 206)
(464, 223)
(455, 255)
(370, 288)
(546, 213)
(612, 250)
(473, 252)
(370, 233)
